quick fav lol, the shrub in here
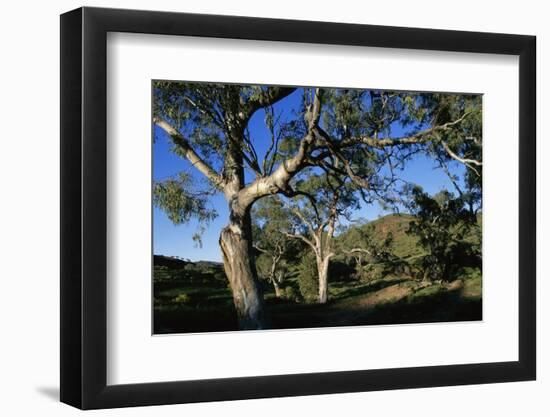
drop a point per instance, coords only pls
(443, 225)
(470, 273)
(308, 279)
(339, 270)
(161, 273)
(370, 272)
(290, 293)
(182, 298)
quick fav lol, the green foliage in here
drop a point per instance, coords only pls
(370, 249)
(207, 304)
(206, 114)
(403, 245)
(276, 251)
(442, 224)
(162, 273)
(308, 279)
(472, 285)
(469, 273)
(182, 298)
(463, 141)
(338, 173)
(167, 269)
(290, 293)
(174, 196)
(428, 292)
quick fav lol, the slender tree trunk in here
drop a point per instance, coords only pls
(277, 288)
(238, 262)
(275, 276)
(322, 269)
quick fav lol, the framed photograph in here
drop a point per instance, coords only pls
(259, 208)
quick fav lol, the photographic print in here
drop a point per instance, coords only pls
(280, 207)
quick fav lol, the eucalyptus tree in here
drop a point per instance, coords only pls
(320, 201)
(442, 224)
(208, 124)
(373, 253)
(277, 251)
(460, 146)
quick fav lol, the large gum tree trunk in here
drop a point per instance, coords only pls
(238, 262)
(322, 268)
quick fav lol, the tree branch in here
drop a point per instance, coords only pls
(420, 137)
(453, 155)
(445, 169)
(267, 98)
(259, 249)
(356, 250)
(290, 193)
(279, 179)
(189, 152)
(301, 237)
(309, 225)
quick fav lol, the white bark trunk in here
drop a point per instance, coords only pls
(322, 269)
(278, 291)
(236, 245)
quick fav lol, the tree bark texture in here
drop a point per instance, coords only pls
(238, 262)
(322, 269)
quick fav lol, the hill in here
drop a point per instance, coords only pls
(172, 262)
(169, 268)
(169, 262)
(195, 296)
(404, 245)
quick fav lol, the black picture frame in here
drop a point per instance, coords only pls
(84, 207)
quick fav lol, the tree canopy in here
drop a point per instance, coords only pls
(332, 150)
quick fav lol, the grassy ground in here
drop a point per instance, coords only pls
(208, 306)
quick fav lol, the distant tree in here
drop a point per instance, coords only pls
(461, 145)
(208, 124)
(442, 223)
(319, 202)
(271, 221)
(373, 254)
(308, 277)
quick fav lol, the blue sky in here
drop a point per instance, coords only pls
(176, 240)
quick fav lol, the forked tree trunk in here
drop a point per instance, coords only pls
(238, 262)
(322, 269)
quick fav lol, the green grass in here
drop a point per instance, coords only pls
(472, 289)
(210, 308)
(194, 297)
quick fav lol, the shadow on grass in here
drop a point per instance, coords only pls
(427, 305)
(370, 287)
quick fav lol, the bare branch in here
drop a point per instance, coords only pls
(259, 249)
(299, 214)
(420, 137)
(279, 179)
(271, 153)
(290, 193)
(453, 155)
(189, 152)
(357, 250)
(301, 237)
(252, 159)
(268, 98)
(451, 177)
